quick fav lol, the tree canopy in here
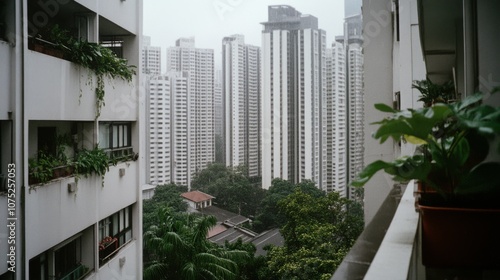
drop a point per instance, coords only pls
(268, 216)
(165, 196)
(318, 232)
(231, 187)
(178, 249)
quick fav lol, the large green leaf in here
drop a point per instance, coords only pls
(384, 108)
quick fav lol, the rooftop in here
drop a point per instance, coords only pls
(197, 196)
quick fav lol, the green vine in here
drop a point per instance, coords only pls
(102, 61)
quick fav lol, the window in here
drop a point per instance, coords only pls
(61, 262)
(116, 138)
(114, 232)
(114, 135)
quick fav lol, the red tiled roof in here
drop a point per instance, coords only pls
(197, 196)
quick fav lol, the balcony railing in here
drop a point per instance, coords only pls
(76, 274)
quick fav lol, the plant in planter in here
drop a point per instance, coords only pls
(41, 168)
(432, 93)
(92, 161)
(102, 61)
(454, 142)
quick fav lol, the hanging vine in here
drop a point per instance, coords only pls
(102, 61)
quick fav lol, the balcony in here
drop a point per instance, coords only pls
(72, 98)
(390, 248)
(76, 274)
(6, 52)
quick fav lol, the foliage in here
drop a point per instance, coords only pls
(251, 268)
(179, 249)
(41, 167)
(453, 140)
(92, 161)
(98, 59)
(165, 196)
(268, 216)
(433, 93)
(232, 189)
(318, 233)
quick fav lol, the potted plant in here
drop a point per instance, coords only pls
(458, 182)
(92, 161)
(432, 93)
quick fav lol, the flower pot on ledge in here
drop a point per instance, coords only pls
(460, 237)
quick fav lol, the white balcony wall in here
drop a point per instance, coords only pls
(53, 92)
(121, 101)
(118, 192)
(112, 269)
(5, 80)
(55, 214)
(54, 89)
(123, 13)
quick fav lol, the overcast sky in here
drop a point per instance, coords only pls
(210, 20)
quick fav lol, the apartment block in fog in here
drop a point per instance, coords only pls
(241, 104)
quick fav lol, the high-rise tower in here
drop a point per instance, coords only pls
(151, 58)
(293, 97)
(241, 104)
(199, 65)
(336, 119)
(353, 44)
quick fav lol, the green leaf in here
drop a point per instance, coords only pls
(368, 172)
(384, 108)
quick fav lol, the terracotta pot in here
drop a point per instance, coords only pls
(460, 237)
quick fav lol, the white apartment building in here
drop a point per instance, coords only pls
(151, 58)
(241, 104)
(218, 117)
(293, 98)
(199, 64)
(353, 44)
(68, 226)
(337, 119)
(159, 127)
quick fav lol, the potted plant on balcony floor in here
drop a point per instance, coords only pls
(459, 198)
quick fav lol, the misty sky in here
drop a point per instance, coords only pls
(210, 20)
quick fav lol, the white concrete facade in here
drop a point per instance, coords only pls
(159, 130)
(240, 103)
(336, 120)
(63, 219)
(392, 62)
(199, 64)
(293, 96)
(151, 58)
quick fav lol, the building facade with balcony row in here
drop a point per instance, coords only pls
(70, 223)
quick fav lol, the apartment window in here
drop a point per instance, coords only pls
(114, 232)
(61, 262)
(116, 138)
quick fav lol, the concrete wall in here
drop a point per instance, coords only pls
(378, 70)
(54, 214)
(55, 94)
(5, 82)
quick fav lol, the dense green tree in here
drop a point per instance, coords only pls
(165, 196)
(232, 189)
(318, 232)
(268, 215)
(179, 249)
(253, 268)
